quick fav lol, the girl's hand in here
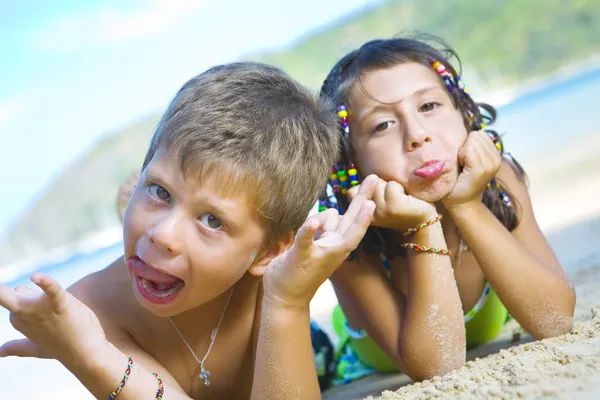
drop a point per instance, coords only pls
(56, 324)
(480, 161)
(394, 208)
(321, 245)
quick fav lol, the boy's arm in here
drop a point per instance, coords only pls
(102, 372)
(284, 365)
(59, 326)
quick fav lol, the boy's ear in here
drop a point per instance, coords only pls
(269, 253)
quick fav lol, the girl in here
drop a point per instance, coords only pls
(454, 247)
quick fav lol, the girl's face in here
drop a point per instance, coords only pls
(405, 128)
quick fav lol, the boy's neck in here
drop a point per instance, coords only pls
(198, 323)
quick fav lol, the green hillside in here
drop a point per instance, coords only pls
(504, 41)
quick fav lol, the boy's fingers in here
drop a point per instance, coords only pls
(332, 220)
(20, 348)
(356, 231)
(365, 193)
(306, 233)
(9, 299)
(52, 288)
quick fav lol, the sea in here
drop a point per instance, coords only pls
(539, 121)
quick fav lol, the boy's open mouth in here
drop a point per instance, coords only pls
(153, 285)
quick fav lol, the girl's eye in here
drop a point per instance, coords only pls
(428, 107)
(159, 192)
(383, 126)
(210, 221)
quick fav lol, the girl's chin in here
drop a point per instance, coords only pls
(434, 193)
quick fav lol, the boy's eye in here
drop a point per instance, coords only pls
(383, 126)
(211, 221)
(159, 192)
(428, 107)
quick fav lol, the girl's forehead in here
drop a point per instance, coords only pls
(394, 84)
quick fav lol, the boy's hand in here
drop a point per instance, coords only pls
(56, 324)
(481, 161)
(321, 245)
(395, 209)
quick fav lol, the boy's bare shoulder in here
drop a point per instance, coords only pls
(108, 293)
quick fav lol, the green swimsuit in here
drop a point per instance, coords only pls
(358, 355)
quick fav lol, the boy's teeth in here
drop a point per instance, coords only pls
(158, 290)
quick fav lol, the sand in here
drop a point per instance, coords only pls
(566, 367)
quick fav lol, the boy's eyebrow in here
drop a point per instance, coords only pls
(221, 204)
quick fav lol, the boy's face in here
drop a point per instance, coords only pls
(186, 243)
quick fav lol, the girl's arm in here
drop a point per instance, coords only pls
(422, 332)
(521, 267)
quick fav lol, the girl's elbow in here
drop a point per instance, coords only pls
(437, 366)
(555, 323)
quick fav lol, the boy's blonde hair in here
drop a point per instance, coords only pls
(255, 131)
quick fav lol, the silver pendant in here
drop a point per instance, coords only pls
(204, 374)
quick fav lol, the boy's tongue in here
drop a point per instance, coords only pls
(141, 269)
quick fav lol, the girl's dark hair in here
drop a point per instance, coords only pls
(386, 53)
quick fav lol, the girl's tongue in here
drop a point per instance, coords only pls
(144, 271)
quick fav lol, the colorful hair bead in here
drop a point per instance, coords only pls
(353, 173)
(322, 205)
(340, 178)
(333, 179)
(503, 195)
(448, 78)
(461, 85)
(342, 113)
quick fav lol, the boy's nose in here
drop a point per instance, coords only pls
(166, 236)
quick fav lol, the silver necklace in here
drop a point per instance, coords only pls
(204, 373)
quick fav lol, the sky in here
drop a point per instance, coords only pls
(73, 71)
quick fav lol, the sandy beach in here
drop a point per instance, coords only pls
(566, 367)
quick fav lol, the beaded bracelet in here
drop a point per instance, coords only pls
(116, 392)
(161, 389)
(422, 226)
(426, 249)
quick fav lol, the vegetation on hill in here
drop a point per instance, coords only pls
(504, 41)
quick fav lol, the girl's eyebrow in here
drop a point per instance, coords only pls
(383, 106)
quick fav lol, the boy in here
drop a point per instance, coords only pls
(234, 167)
